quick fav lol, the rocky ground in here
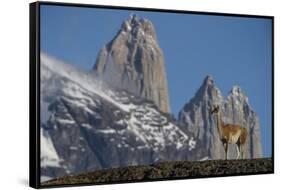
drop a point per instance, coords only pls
(169, 170)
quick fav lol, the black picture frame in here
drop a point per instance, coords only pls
(34, 90)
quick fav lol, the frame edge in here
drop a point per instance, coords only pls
(34, 159)
(34, 67)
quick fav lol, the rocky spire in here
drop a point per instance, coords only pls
(208, 90)
(134, 61)
(195, 117)
(239, 111)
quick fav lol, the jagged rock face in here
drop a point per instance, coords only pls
(134, 61)
(196, 118)
(86, 127)
(238, 111)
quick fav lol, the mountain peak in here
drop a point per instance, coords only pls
(208, 80)
(134, 61)
(133, 16)
(138, 27)
(208, 87)
(237, 93)
(236, 90)
(195, 117)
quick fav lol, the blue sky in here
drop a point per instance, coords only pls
(234, 50)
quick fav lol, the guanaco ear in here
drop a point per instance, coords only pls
(213, 108)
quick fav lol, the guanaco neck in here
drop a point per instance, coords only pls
(219, 124)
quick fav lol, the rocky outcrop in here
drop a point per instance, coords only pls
(195, 117)
(170, 170)
(134, 61)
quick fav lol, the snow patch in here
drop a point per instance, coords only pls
(65, 121)
(87, 126)
(49, 156)
(45, 178)
(73, 148)
(106, 131)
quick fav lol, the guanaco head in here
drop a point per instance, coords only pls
(215, 110)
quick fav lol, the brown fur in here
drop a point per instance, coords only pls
(244, 135)
(231, 134)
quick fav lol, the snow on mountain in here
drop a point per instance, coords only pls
(52, 68)
(92, 126)
(49, 155)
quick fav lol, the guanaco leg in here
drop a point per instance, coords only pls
(225, 145)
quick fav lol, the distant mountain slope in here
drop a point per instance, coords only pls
(88, 126)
